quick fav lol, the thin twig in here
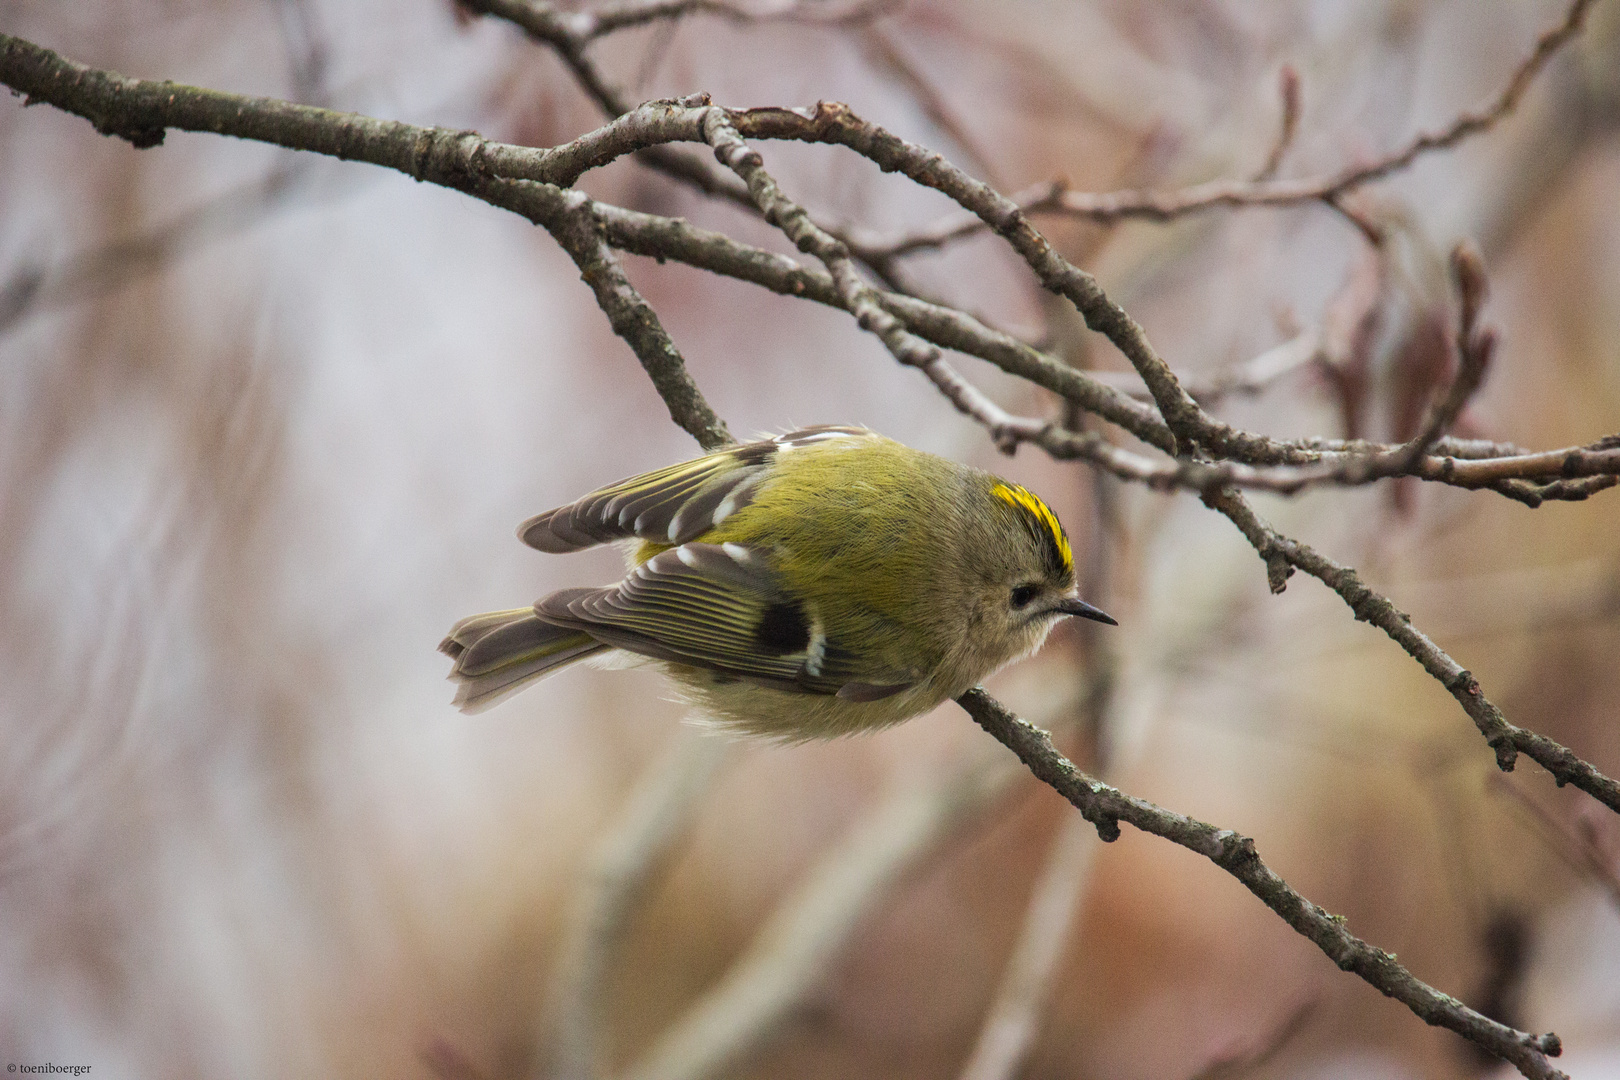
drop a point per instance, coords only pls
(607, 18)
(1288, 127)
(1475, 345)
(859, 298)
(1162, 206)
(545, 23)
(1105, 807)
(1247, 379)
(1576, 847)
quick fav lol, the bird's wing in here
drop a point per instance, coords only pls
(721, 608)
(670, 505)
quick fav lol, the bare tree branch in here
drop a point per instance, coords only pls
(1055, 197)
(835, 123)
(140, 111)
(1281, 555)
(1468, 463)
(1105, 807)
(601, 21)
(859, 298)
(670, 238)
(568, 37)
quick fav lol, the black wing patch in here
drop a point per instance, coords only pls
(717, 607)
(671, 505)
(784, 627)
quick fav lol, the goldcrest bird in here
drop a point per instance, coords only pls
(811, 585)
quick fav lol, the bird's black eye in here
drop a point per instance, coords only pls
(1023, 594)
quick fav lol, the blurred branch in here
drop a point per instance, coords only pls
(928, 96)
(1105, 807)
(308, 53)
(619, 870)
(445, 1060)
(1576, 847)
(32, 290)
(141, 111)
(1247, 379)
(1288, 90)
(1474, 348)
(1248, 1056)
(1010, 1026)
(791, 954)
(1055, 197)
(1282, 555)
(607, 18)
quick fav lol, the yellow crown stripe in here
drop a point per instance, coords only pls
(1031, 504)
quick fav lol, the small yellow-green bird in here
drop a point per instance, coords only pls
(815, 584)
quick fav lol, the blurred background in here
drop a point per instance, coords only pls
(268, 423)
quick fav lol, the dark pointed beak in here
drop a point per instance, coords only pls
(1070, 606)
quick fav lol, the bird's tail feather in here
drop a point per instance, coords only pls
(498, 653)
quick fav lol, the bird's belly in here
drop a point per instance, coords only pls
(737, 705)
